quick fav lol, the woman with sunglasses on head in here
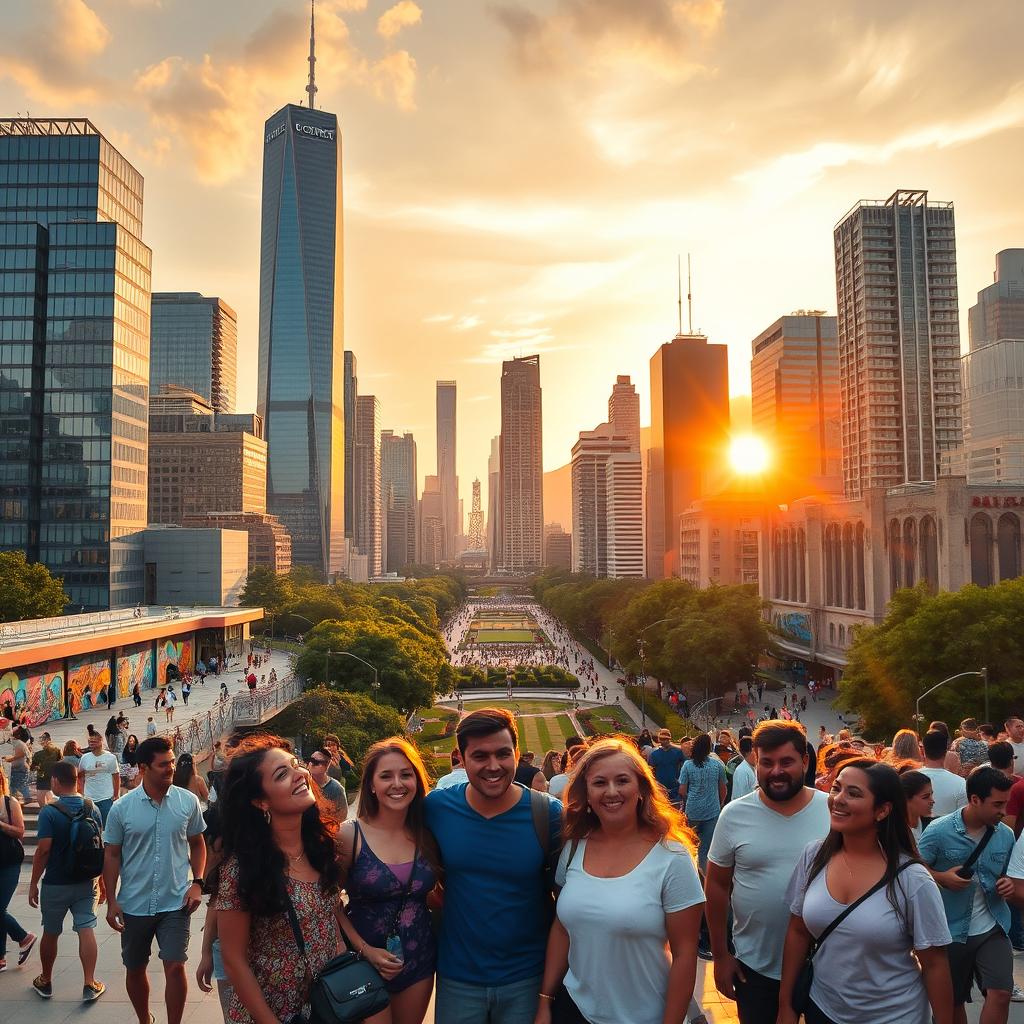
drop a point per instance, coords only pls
(885, 960)
(389, 858)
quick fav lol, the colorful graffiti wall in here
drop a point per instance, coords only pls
(88, 679)
(134, 665)
(175, 650)
(35, 689)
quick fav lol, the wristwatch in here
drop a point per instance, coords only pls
(199, 882)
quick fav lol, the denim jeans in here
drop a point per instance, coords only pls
(8, 883)
(1016, 928)
(460, 1003)
(705, 830)
(19, 783)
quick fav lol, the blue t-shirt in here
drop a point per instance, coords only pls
(57, 827)
(666, 764)
(497, 911)
(702, 782)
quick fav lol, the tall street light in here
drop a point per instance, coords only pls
(983, 673)
(348, 654)
(643, 664)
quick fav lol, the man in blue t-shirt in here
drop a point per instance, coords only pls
(61, 893)
(497, 897)
(666, 760)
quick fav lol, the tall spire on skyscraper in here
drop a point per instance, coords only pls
(311, 87)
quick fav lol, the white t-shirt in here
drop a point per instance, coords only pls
(1018, 765)
(618, 946)
(744, 780)
(763, 847)
(949, 790)
(456, 777)
(556, 787)
(99, 771)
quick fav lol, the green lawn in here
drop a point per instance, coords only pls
(543, 734)
(605, 719)
(504, 636)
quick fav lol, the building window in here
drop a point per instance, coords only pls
(981, 550)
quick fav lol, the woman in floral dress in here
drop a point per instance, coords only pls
(279, 844)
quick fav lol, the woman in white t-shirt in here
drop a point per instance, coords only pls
(625, 935)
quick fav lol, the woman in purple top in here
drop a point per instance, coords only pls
(389, 859)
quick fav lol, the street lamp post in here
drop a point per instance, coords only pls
(348, 654)
(983, 673)
(643, 664)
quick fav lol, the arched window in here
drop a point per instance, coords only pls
(909, 552)
(929, 557)
(981, 550)
(859, 559)
(842, 636)
(1008, 543)
(832, 633)
(847, 600)
(895, 559)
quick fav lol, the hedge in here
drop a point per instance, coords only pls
(660, 713)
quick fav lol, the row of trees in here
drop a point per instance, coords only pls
(691, 638)
(28, 590)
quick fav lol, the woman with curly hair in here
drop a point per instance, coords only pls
(390, 859)
(625, 933)
(905, 747)
(278, 847)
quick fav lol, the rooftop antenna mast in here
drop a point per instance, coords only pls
(679, 300)
(311, 87)
(689, 293)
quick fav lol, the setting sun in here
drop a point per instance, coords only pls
(749, 455)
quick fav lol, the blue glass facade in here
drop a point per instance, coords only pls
(74, 359)
(301, 338)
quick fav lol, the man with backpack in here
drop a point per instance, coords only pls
(69, 861)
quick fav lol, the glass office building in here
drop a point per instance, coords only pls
(194, 345)
(74, 358)
(301, 365)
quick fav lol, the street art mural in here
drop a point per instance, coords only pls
(175, 650)
(134, 665)
(88, 679)
(795, 625)
(35, 690)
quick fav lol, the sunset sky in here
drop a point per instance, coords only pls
(521, 174)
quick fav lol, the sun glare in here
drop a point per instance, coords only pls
(749, 455)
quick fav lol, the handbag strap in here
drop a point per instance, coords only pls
(836, 922)
(979, 849)
(407, 889)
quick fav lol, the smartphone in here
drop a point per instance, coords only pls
(965, 873)
(394, 947)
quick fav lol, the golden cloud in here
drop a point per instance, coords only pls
(403, 15)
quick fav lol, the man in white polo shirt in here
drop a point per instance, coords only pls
(949, 790)
(99, 776)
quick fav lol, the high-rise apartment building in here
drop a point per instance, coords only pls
(301, 371)
(624, 515)
(194, 345)
(368, 520)
(74, 358)
(494, 501)
(431, 523)
(446, 456)
(350, 390)
(269, 543)
(624, 410)
(521, 471)
(795, 405)
(899, 340)
(475, 534)
(689, 437)
(398, 481)
(993, 377)
(202, 461)
(557, 547)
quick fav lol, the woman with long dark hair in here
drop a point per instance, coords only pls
(186, 776)
(131, 745)
(702, 789)
(390, 859)
(917, 788)
(625, 935)
(885, 961)
(279, 846)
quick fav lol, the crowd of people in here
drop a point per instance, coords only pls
(852, 884)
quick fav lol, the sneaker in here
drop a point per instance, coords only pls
(1017, 995)
(44, 988)
(704, 954)
(25, 950)
(92, 991)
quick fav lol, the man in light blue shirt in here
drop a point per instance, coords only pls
(154, 835)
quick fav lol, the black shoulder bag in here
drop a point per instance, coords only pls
(12, 851)
(801, 997)
(347, 990)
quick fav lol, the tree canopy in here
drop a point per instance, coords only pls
(28, 590)
(926, 638)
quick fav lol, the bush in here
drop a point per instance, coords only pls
(660, 713)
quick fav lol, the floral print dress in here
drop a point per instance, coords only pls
(281, 972)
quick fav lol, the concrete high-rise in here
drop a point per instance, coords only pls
(494, 501)
(795, 404)
(993, 377)
(431, 523)
(689, 437)
(521, 474)
(624, 411)
(475, 540)
(301, 372)
(899, 340)
(350, 390)
(368, 520)
(446, 465)
(398, 481)
(74, 358)
(624, 515)
(194, 345)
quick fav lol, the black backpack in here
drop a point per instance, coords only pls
(83, 858)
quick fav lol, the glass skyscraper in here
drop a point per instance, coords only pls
(194, 345)
(301, 364)
(74, 358)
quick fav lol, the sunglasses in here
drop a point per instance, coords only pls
(316, 761)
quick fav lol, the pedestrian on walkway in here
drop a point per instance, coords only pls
(702, 789)
(137, 695)
(170, 700)
(43, 761)
(333, 791)
(65, 879)
(99, 778)
(757, 843)
(12, 854)
(150, 728)
(497, 901)
(19, 764)
(625, 936)
(949, 790)
(186, 690)
(667, 762)
(154, 836)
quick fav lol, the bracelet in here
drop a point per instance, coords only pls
(544, 995)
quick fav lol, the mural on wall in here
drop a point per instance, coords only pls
(88, 679)
(796, 625)
(134, 665)
(175, 650)
(36, 690)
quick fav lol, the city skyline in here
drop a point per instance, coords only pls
(562, 238)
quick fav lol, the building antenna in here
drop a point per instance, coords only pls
(311, 87)
(689, 292)
(679, 275)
